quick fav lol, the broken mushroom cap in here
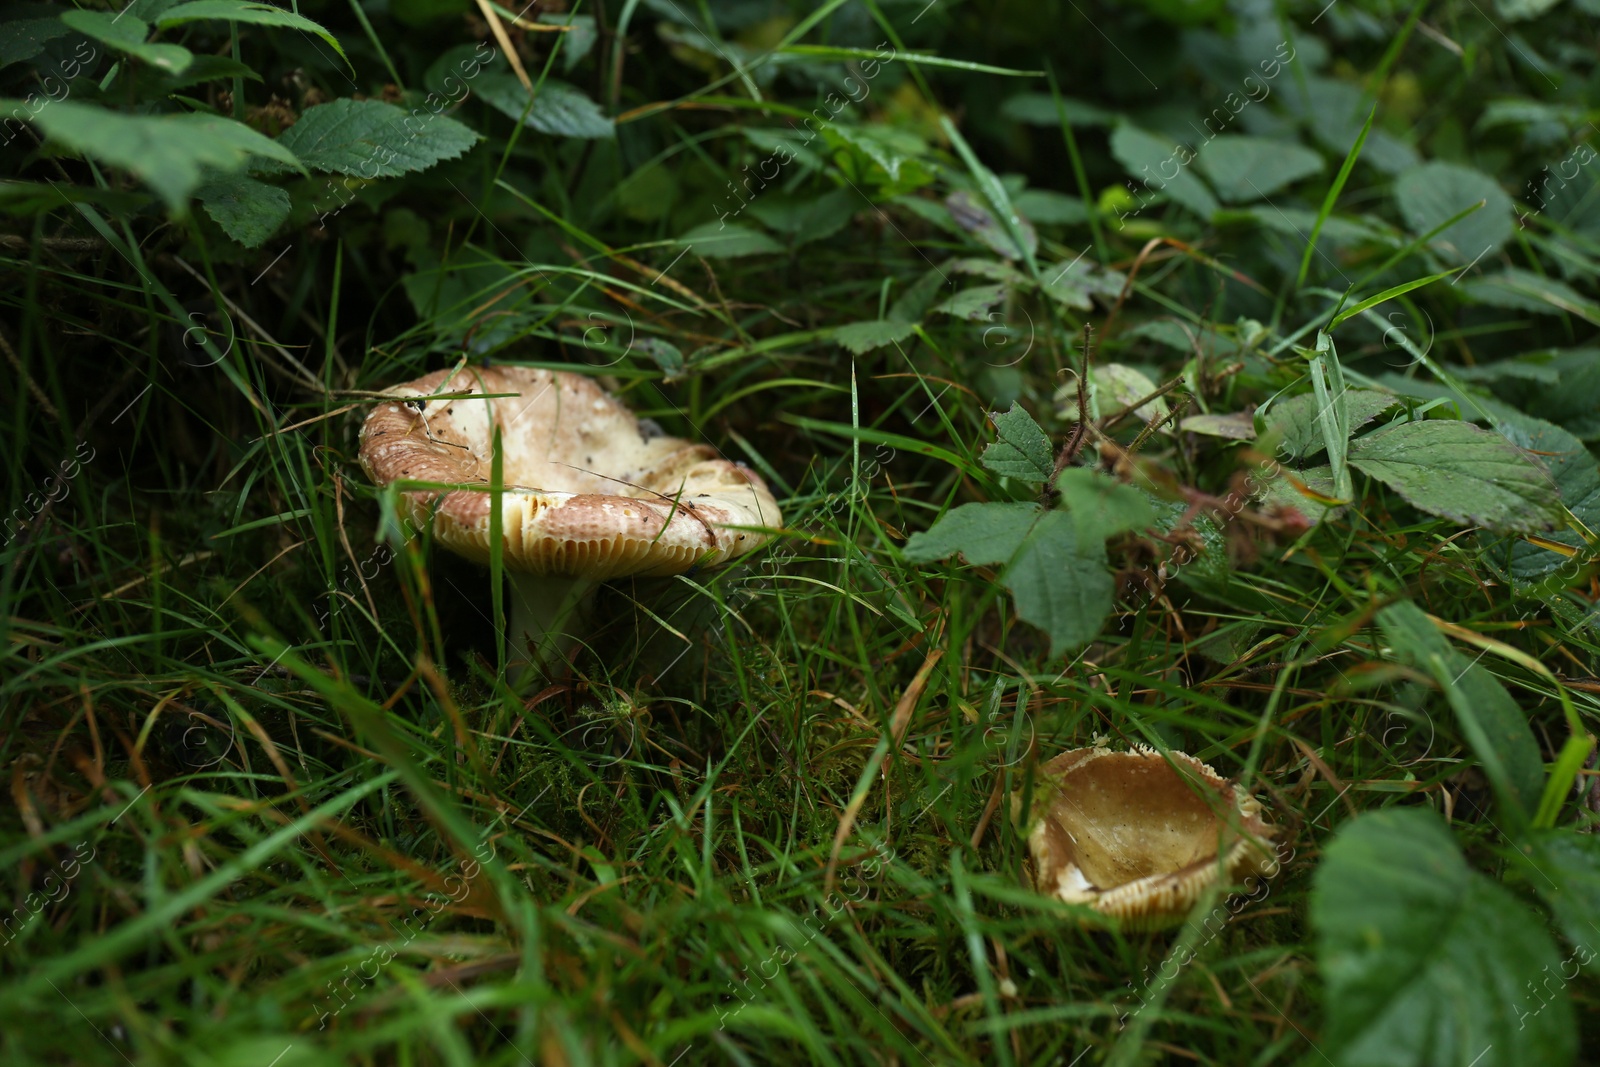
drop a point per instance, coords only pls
(1128, 835)
(591, 491)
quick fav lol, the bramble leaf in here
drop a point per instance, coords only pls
(1426, 960)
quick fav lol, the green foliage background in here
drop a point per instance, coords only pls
(1217, 376)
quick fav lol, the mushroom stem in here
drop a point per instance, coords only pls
(545, 614)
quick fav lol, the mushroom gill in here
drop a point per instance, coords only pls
(1129, 835)
(591, 492)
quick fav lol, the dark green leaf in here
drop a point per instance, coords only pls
(1294, 420)
(1564, 869)
(1427, 962)
(1457, 470)
(1571, 398)
(26, 38)
(717, 240)
(976, 304)
(1039, 109)
(1430, 194)
(1058, 580)
(1491, 721)
(244, 11)
(370, 139)
(559, 109)
(912, 304)
(1524, 290)
(1021, 449)
(1243, 169)
(982, 533)
(247, 210)
(1060, 583)
(860, 338)
(1076, 281)
(578, 36)
(1047, 208)
(169, 153)
(974, 217)
(1163, 166)
(1101, 507)
(1577, 478)
(127, 34)
(807, 218)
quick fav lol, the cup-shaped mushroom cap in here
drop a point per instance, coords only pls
(590, 490)
(1128, 835)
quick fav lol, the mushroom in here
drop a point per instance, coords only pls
(1137, 837)
(591, 492)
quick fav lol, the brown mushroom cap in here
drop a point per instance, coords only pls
(1126, 834)
(590, 491)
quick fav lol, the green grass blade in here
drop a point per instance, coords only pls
(1333, 195)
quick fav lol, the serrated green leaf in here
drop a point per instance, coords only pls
(1021, 449)
(912, 304)
(1060, 583)
(664, 354)
(1102, 507)
(1050, 208)
(152, 83)
(974, 219)
(892, 154)
(1524, 290)
(26, 38)
(806, 218)
(1490, 720)
(1113, 387)
(1039, 109)
(1057, 579)
(247, 210)
(127, 34)
(1282, 492)
(859, 338)
(1571, 400)
(1461, 472)
(981, 533)
(1234, 426)
(578, 36)
(1074, 283)
(1521, 10)
(169, 153)
(1427, 962)
(371, 139)
(244, 11)
(1147, 159)
(1430, 194)
(559, 109)
(1577, 478)
(1564, 869)
(1294, 421)
(728, 240)
(1244, 169)
(975, 304)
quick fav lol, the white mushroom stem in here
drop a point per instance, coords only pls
(546, 612)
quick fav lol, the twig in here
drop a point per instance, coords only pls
(33, 386)
(1080, 432)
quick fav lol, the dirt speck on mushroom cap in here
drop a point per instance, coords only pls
(590, 490)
